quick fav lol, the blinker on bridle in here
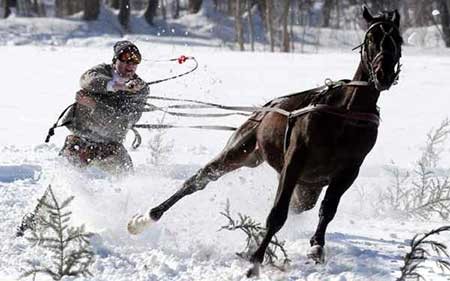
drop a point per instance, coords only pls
(368, 63)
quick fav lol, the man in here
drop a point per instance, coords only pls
(110, 102)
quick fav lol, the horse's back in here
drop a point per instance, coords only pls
(327, 136)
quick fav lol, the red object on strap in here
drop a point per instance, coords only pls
(182, 59)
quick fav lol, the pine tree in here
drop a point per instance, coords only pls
(255, 233)
(420, 252)
(69, 247)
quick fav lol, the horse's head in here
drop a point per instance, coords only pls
(381, 48)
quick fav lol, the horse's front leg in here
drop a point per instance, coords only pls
(328, 209)
(240, 151)
(293, 165)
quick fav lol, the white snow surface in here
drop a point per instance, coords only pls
(39, 78)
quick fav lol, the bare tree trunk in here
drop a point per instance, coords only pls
(150, 12)
(270, 24)
(303, 22)
(58, 8)
(422, 13)
(124, 14)
(7, 5)
(291, 29)
(262, 11)
(238, 25)
(24, 8)
(445, 21)
(115, 4)
(77, 6)
(139, 5)
(39, 8)
(338, 14)
(91, 9)
(163, 9)
(285, 35)
(194, 6)
(406, 20)
(176, 13)
(326, 12)
(67, 8)
(250, 25)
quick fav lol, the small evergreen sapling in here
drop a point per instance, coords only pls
(420, 246)
(255, 234)
(29, 220)
(69, 247)
(425, 191)
(159, 149)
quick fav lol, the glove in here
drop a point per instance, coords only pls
(135, 85)
(131, 86)
(116, 84)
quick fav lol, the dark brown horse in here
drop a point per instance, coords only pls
(312, 139)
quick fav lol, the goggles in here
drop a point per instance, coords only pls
(128, 56)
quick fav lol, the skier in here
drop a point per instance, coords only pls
(110, 102)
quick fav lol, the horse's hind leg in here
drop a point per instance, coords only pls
(328, 209)
(241, 150)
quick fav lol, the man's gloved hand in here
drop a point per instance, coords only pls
(131, 86)
(135, 85)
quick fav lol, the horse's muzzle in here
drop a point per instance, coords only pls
(384, 74)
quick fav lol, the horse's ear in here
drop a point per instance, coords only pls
(366, 14)
(396, 18)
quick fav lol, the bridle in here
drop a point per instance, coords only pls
(370, 61)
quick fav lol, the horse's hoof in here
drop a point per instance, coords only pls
(138, 223)
(254, 271)
(316, 254)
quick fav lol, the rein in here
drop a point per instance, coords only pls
(51, 131)
(370, 118)
(181, 60)
(239, 110)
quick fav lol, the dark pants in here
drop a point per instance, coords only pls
(111, 157)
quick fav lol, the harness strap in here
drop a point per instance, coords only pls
(137, 139)
(359, 116)
(51, 131)
(167, 126)
(357, 84)
(287, 133)
(341, 112)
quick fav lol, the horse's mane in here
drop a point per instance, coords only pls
(318, 95)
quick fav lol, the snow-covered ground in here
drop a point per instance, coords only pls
(40, 78)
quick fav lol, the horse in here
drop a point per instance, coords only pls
(313, 139)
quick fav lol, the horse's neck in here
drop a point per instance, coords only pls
(359, 98)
